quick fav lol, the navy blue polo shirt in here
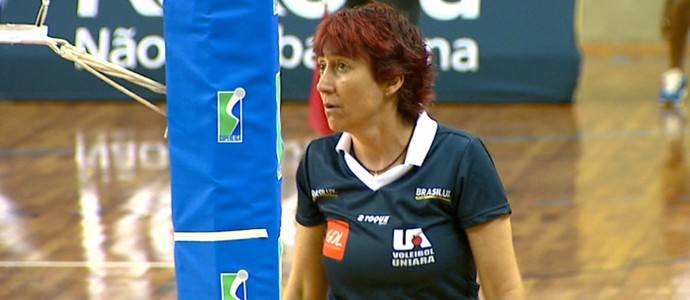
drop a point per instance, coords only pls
(401, 234)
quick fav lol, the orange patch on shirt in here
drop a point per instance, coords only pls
(335, 242)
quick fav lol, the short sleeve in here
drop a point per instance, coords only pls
(482, 196)
(308, 212)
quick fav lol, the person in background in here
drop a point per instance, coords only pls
(674, 28)
(394, 205)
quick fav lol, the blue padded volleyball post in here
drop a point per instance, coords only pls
(223, 85)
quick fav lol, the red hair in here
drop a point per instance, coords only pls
(383, 36)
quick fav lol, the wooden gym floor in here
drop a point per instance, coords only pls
(600, 191)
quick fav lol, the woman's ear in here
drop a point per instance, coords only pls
(393, 85)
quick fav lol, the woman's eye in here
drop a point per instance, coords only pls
(342, 67)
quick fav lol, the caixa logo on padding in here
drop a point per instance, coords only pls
(230, 116)
(234, 285)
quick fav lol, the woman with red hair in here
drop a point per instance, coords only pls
(394, 205)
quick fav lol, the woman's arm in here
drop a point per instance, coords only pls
(307, 279)
(494, 255)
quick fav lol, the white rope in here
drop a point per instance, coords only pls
(99, 68)
(42, 13)
(38, 34)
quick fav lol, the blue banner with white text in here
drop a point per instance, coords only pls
(485, 51)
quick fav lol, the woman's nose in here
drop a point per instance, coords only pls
(325, 84)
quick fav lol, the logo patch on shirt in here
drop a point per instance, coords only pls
(323, 193)
(411, 248)
(432, 194)
(374, 219)
(335, 242)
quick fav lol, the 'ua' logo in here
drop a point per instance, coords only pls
(234, 285)
(408, 239)
(230, 116)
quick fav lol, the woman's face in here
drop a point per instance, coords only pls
(351, 97)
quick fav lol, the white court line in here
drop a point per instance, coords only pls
(87, 264)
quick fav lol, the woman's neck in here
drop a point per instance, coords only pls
(382, 148)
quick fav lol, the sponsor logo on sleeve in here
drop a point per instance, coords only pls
(323, 193)
(432, 194)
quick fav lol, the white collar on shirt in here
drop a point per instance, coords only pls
(420, 143)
